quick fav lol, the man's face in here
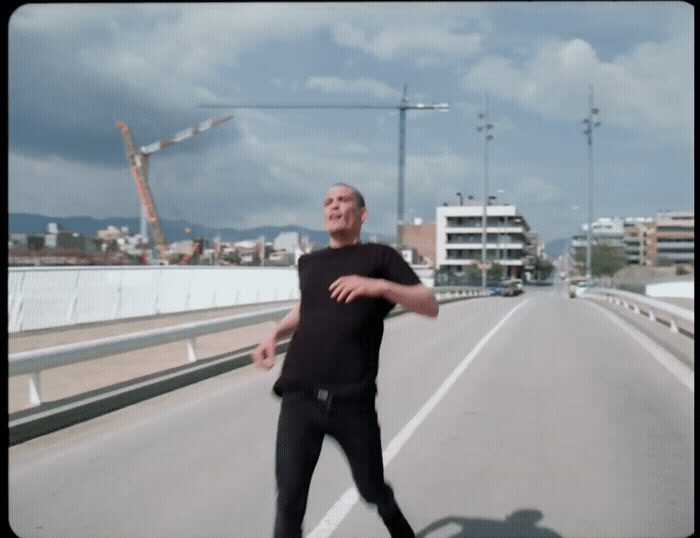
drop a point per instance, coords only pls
(340, 211)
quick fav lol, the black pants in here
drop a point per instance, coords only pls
(303, 422)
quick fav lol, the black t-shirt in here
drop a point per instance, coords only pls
(336, 345)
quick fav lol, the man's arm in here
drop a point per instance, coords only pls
(264, 355)
(416, 297)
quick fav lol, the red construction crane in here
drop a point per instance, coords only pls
(138, 162)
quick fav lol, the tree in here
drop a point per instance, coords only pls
(543, 269)
(495, 272)
(606, 260)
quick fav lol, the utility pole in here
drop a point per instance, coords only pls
(591, 121)
(402, 108)
(486, 129)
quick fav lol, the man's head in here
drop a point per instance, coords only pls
(344, 212)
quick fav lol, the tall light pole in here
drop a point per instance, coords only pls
(591, 121)
(486, 129)
(402, 107)
(500, 232)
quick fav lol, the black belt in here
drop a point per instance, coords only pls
(326, 397)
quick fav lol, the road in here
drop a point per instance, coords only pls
(535, 415)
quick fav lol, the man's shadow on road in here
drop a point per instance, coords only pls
(519, 523)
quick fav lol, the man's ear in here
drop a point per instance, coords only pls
(363, 214)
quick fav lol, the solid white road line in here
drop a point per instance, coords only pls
(671, 363)
(343, 506)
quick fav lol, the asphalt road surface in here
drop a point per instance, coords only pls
(528, 416)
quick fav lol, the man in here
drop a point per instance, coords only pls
(327, 383)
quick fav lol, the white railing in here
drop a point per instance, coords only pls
(31, 363)
(653, 308)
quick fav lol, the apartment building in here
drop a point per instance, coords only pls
(636, 240)
(459, 232)
(672, 239)
(608, 231)
(667, 239)
(420, 236)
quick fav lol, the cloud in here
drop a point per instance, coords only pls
(650, 88)
(56, 186)
(535, 189)
(428, 42)
(359, 86)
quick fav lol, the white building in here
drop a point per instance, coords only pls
(290, 246)
(459, 231)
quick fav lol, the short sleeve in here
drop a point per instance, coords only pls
(397, 269)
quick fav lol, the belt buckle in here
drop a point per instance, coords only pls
(324, 396)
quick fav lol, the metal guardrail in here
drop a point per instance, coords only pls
(31, 363)
(654, 309)
(449, 292)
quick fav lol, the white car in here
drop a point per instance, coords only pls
(581, 288)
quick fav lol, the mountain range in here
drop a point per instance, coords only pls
(174, 230)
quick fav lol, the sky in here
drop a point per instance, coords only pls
(74, 70)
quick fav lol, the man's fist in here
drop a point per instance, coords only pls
(264, 355)
(349, 287)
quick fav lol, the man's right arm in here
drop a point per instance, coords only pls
(264, 355)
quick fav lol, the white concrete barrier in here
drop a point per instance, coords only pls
(49, 297)
(672, 289)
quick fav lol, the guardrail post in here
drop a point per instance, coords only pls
(34, 388)
(652, 317)
(192, 350)
(635, 307)
(674, 325)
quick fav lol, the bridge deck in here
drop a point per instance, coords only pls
(555, 422)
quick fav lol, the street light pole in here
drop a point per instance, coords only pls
(402, 166)
(591, 121)
(485, 127)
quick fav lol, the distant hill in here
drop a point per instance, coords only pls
(556, 248)
(174, 229)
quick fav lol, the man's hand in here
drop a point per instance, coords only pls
(350, 287)
(416, 297)
(264, 355)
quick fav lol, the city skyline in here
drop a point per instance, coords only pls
(76, 70)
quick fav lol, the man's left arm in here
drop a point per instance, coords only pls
(414, 297)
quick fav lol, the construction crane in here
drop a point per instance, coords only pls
(402, 108)
(138, 162)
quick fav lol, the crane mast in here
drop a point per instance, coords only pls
(138, 165)
(138, 162)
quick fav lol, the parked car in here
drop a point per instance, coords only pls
(512, 287)
(495, 290)
(509, 289)
(579, 286)
(573, 286)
